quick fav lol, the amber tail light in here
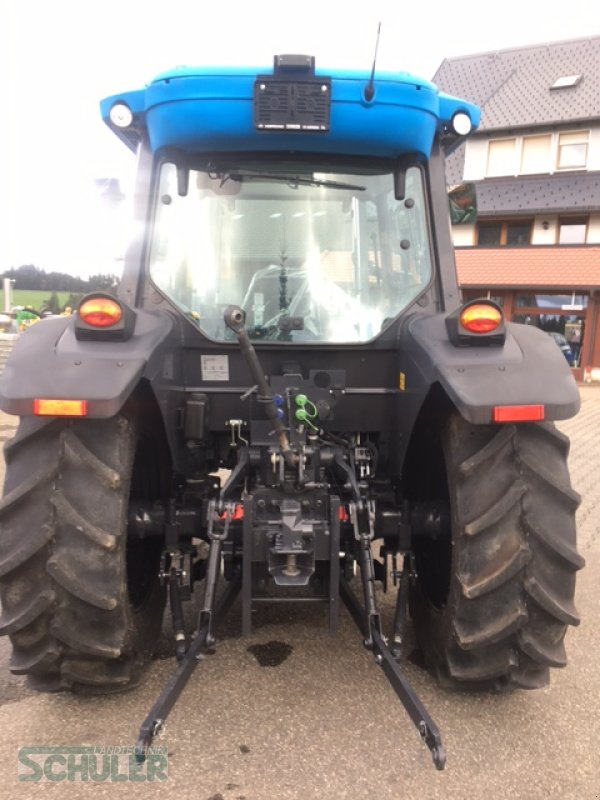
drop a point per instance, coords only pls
(478, 322)
(480, 318)
(100, 312)
(101, 317)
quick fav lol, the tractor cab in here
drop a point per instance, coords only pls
(301, 195)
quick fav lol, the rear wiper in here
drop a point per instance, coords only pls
(292, 180)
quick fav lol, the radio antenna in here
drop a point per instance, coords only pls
(370, 87)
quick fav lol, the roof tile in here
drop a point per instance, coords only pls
(513, 86)
(559, 267)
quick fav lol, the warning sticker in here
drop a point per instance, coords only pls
(215, 368)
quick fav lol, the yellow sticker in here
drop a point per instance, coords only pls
(402, 382)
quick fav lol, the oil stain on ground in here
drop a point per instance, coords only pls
(271, 654)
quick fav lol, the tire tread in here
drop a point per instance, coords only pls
(514, 558)
(63, 579)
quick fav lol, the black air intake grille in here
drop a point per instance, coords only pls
(292, 105)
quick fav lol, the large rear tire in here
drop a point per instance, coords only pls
(82, 604)
(494, 597)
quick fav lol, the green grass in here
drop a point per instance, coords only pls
(33, 297)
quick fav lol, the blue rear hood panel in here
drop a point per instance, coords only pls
(212, 110)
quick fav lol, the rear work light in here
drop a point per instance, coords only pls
(478, 322)
(60, 408)
(100, 312)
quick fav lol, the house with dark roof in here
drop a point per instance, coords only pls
(535, 165)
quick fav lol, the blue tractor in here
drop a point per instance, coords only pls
(286, 377)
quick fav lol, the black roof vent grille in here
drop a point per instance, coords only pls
(293, 98)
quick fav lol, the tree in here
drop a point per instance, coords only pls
(103, 283)
(29, 276)
(53, 304)
(74, 299)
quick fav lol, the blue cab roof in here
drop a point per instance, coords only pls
(210, 109)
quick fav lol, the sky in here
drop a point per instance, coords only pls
(59, 58)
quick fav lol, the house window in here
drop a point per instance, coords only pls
(536, 154)
(572, 150)
(502, 158)
(564, 302)
(489, 234)
(567, 331)
(477, 294)
(518, 233)
(515, 233)
(572, 230)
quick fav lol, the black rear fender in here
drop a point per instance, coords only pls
(529, 369)
(48, 362)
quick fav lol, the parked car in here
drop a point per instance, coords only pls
(564, 346)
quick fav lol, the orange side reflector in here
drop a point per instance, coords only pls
(101, 312)
(60, 408)
(518, 413)
(480, 318)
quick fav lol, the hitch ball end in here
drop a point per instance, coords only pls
(234, 317)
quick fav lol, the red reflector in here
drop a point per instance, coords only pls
(100, 312)
(238, 513)
(60, 408)
(518, 413)
(480, 318)
(343, 514)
